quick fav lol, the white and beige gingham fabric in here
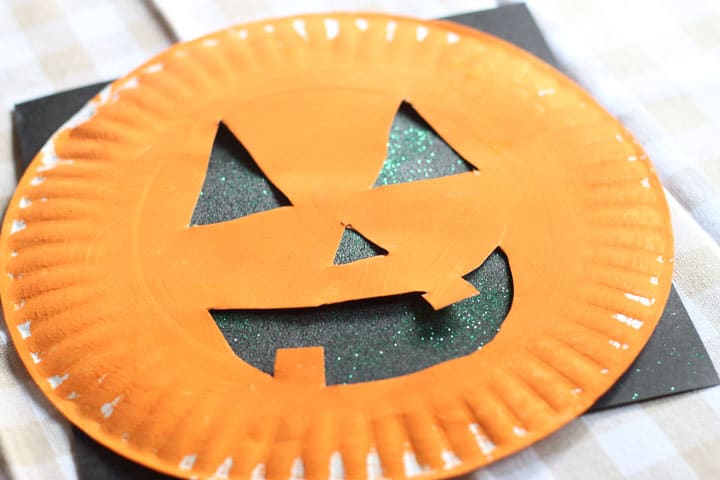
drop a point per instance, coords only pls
(654, 64)
(48, 46)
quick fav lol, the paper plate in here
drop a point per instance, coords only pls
(107, 288)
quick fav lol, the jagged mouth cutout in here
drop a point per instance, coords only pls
(363, 340)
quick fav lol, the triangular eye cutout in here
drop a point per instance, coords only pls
(354, 247)
(416, 152)
(234, 185)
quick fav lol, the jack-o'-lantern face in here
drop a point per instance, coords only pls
(367, 339)
(327, 171)
(113, 282)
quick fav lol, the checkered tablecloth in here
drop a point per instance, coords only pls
(655, 64)
(48, 46)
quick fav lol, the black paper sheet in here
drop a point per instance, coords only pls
(673, 361)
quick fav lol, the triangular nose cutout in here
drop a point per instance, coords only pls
(353, 247)
(234, 185)
(416, 152)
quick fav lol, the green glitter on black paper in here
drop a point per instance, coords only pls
(416, 152)
(368, 339)
(234, 185)
(354, 247)
(377, 338)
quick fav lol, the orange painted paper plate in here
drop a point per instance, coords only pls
(106, 288)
